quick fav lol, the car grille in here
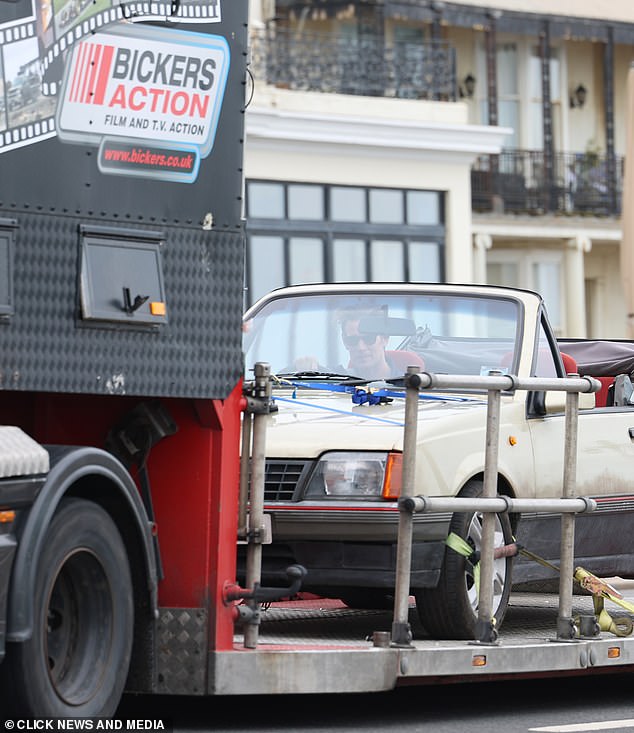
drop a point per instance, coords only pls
(282, 478)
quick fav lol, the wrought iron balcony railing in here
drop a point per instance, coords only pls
(517, 181)
(360, 66)
(522, 181)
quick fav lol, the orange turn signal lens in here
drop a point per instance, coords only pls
(614, 652)
(393, 481)
(479, 660)
(7, 516)
(157, 308)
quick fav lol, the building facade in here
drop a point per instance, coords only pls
(434, 141)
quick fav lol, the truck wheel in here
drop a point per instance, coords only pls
(450, 610)
(76, 662)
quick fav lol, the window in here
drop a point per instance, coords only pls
(305, 202)
(539, 270)
(306, 256)
(348, 204)
(267, 201)
(519, 89)
(348, 260)
(267, 271)
(535, 129)
(306, 232)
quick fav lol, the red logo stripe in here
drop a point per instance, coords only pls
(95, 53)
(87, 66)
(77, 75)
(104, 74)
(91, 72)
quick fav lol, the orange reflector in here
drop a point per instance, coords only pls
(512, 440)
(7, 516)
(157, 308)
(479, 660)
(614, 652)
(393, 476)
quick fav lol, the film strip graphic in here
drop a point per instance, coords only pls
(29, 88)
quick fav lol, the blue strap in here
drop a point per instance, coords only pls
(362, 413)
(377, 394)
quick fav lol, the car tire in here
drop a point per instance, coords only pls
(450, 610)
(76, 661)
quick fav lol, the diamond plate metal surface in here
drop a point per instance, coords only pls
(45, 347)
(182, 651)
(530, 616)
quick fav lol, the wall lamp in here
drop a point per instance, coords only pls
(578, 97)
(468, 87)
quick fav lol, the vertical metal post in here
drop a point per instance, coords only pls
(485, 631)
(401, 631)
(256, 505)
(565, 624)
(245, 460)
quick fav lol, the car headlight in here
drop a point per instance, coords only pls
(347, 475)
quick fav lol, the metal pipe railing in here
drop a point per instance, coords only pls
(485, 629)
(494, 384)
(401, 632)
(262, 392)
(565, 623)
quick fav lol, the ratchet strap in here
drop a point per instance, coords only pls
(619, 626)
(597, 587)
(462, 547)
(600, 590)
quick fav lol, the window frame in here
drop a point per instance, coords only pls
(330, 231)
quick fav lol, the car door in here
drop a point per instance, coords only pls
(605, 457)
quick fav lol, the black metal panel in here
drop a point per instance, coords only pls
(55, 186)
(46, 346)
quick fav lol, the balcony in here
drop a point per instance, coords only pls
(515, 181)
(522, 182)
(360, 66)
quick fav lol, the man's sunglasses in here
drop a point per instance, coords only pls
(369, 339)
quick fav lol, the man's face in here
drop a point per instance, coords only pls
(367, 351)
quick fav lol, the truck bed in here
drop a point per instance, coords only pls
(319, 621)
(320, 645)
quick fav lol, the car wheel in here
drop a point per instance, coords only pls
(75, 663)
(450, 610)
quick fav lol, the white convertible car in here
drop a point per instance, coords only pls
(338, 354)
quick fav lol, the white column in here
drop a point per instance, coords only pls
(481, 243)
(575, 292)
(256, 12)
(458, 247)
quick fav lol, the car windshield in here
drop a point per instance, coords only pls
(377, 335)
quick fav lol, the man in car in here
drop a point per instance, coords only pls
(369, 357)
(367, 351)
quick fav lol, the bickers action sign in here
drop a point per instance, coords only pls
(150, 98)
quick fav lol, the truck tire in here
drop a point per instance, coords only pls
(450, 610)
(76, 662)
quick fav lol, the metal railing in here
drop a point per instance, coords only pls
(518, 181)
(489, 504)
(252, 495)
(365, 65)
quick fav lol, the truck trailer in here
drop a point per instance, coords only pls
(132, 441)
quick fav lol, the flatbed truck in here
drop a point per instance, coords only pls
(123, 402)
